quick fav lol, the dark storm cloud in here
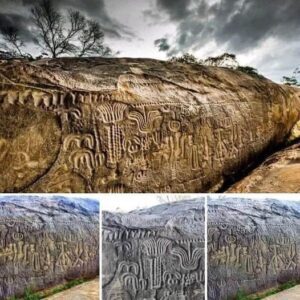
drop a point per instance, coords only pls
(19, 21)
(162, 44)
(93, 9)
(239, 24)
(177, 9)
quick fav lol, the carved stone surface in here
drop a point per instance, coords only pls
(134, 125)
(46, 241)
(155, 253)
(252, 245)
(280, 173)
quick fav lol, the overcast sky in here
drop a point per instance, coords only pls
(264, 34)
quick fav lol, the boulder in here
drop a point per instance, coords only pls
(280, 173)
(134, 125)
(155, 253)
(45, 242)
(253, 245)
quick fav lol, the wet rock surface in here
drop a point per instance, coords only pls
(155, 253)
(280, 173)
(253, 245)
(134, 125)
(46, 241)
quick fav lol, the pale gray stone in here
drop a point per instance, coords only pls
(154, 253)
(253, 245)
(46, 241)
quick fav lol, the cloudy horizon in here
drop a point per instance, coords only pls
(263, 34)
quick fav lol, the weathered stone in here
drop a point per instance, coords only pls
(46, 241)
(280, 173)
(252, 245)
(134, 125)
(295, 132)
(155, 253)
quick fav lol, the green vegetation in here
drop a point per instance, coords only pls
(226, 60)
(250, 71)
(30, 295)
(67, 286)
(185, 59)
(292, 80)
(241, 295)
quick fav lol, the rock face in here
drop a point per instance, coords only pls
(46, 241)
(280, 173)
(252, 245)
(156, 253)
(134, 125)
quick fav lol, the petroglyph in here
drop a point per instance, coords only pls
(46, 241)
(252, 245)
(98, 125)
(155, 253)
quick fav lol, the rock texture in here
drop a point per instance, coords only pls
(252, 245)
(156, 253)
(280, 173)
(46, 241)
(134, 125)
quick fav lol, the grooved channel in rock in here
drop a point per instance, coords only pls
(154, 253)
(46, 241)
(253, 245)
(135, 125)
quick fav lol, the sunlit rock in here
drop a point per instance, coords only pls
(280, 173)
(134, 125)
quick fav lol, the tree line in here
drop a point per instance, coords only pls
(229, 60)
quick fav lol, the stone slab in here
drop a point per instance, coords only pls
(280, 173)
(155, 253)
(134, 125)
(46, 241)
(253, 245)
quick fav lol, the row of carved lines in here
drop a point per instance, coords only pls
(4, 222)
(103, 96)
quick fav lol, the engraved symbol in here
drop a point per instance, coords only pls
(63, 259)
(189, 259)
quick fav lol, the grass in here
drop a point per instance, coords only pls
(30, 295)
(62, 288)
(241, 295)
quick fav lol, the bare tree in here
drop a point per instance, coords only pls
(12, 40)
(91, 39)
(59, 35)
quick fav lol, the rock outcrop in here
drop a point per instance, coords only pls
(155, 253)
(46, 241)
(252, 245)
(134, 125)
(280, 173)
